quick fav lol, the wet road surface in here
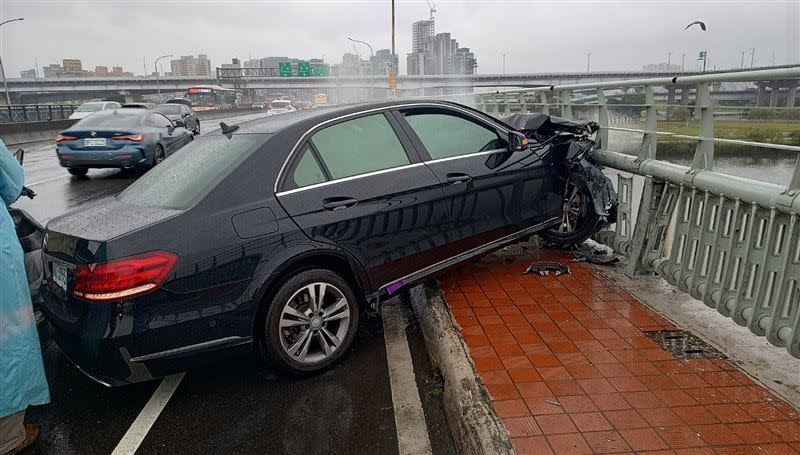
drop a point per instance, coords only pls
(233, 406)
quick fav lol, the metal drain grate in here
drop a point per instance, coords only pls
(684, 345)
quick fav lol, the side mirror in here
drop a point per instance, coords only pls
(20, 155)
(170, 130)
(517, 141)
(180, 124)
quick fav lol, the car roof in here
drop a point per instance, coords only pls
(309, 118)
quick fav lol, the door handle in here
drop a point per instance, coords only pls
(338, 203)
(457, 178)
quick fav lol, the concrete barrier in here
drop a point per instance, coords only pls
(22, 133)
(25, 132)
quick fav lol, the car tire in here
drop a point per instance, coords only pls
(197, 128)
(159, 156)
(579, 220)
(78, 171)
(299, 336)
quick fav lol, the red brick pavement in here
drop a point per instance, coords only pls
(570, 370)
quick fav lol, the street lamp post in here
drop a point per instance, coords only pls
(2, 71)
(588, 60)
(371, 69)
(155, 68)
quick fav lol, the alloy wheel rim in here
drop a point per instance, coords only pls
(314, 322)
(571, 209)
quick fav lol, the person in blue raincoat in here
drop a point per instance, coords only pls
(22, 379)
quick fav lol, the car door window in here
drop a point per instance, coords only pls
(447, 135)
(307, 170)
(159, 121)
(359, 146)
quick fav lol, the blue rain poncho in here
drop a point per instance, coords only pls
(22, 379)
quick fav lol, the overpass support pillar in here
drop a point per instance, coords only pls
(773, 95)
(761, 97)
(670, 102)
(791, 97)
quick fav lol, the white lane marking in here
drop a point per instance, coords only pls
(48, 180)
(412, 431)
(139, 428)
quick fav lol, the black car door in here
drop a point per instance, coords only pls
(189, 119)
(173, 138)
(359, 185)
(492, 193)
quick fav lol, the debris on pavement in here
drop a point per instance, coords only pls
(544, 268)
(586, 252)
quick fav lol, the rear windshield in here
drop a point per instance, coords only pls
(280, 103)
(193, 170)
(114, 121)
(168, 109)
(89, 107)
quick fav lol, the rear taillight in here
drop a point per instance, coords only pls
(269, 107)
(123, 278)
(61, 138)
(132, 138)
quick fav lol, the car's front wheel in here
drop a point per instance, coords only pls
(578, 217)
(310, 322)
(197, 128)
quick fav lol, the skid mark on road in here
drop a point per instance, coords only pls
(145, 420)
(412, 431)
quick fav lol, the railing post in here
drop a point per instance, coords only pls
(565, 98)
(704, 154)
(650, 138)
(543, 101)
(602, 119)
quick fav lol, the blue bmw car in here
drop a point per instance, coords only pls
(132, 138)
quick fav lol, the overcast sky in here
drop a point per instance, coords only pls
(535, 35)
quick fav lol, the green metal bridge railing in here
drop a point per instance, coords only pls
(732, 242)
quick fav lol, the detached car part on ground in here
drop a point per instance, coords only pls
(589, 199)
(276, 235)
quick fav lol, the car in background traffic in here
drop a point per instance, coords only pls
(275, 235)
(302, 105)
(180, 112)
(90, 107)
(120, 138)
(280, 107)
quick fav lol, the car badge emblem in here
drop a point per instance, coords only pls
(93, 133)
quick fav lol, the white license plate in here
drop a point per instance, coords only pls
(60, 275)
(95, 142)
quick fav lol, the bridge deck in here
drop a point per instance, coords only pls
(571, 369)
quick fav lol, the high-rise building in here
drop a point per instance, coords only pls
(188, 65)
(28, 74)
(440, 54)
(101, 71)
(72, 67)
(420, 31)
(383, 61)
(52, 70)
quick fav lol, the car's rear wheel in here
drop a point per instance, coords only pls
(578, 217)
(160, 155)
(79, 171)
(310, 323)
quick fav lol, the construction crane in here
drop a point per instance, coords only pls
(432, 7)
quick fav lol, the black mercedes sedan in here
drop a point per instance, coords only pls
(276, 235)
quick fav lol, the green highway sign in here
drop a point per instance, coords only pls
(321, 70)
(285, 69)
(303, 69)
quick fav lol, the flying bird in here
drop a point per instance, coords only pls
(700, 23)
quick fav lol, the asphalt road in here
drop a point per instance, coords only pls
(232, 406)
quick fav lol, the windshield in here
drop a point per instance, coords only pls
(183, 177)
(280, 104)
(169, 109)
(114, 121)
(89, 107)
